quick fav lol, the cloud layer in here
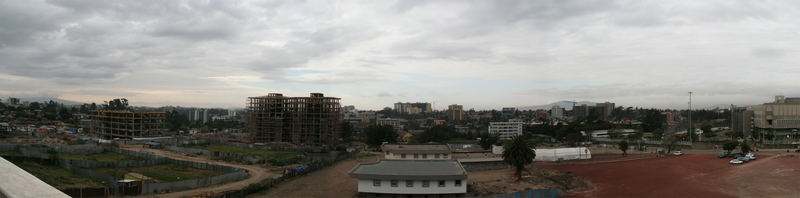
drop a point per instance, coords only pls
(483, 54)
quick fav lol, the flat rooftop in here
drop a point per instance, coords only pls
(410, 170)
(15, 182)
(416, 148)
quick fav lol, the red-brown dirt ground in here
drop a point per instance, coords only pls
(691, 175)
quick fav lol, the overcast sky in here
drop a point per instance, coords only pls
(482, 54)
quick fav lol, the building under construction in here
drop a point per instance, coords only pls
(307, 121)
(127, 124)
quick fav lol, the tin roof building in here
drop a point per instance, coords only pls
(407, 177)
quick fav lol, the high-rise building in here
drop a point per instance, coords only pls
(506, 130)
(742, 120)
(557, 112)
(580, 112)
(604, 109)
(13, 101)
(455, 112)
(315, 120)
(777, 119)
(127, 124)
(205, 115)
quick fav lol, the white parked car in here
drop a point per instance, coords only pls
(677, 153)
(750, 156)
(736, 161)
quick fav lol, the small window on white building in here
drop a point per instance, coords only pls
(416, 156)
(394, 183)
(426, 183)
(376, 182)
(403, 156)
(441, 183)
(458, 182)
(436, 156)
(387, 152)
(409, 183)
(424, 156)
(444, 156)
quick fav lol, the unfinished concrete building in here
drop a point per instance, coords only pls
(127, 124)
(305, 121)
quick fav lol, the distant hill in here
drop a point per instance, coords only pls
(47, 99)
(564, 103)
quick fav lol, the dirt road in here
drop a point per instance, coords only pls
(256, 172)
(329, 182)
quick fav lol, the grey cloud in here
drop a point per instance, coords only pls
(769, 52)
(384, 94)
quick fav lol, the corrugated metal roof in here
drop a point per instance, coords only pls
(410, 169)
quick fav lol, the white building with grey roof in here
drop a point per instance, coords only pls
(417, 151)
(411, 177)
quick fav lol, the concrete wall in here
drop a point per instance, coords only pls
(366, 186)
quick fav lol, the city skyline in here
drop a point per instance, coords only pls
(482, 55)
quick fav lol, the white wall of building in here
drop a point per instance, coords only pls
(505, 130)
(367, 186)
(419, 156)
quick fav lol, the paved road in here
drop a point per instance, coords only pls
(257, 174)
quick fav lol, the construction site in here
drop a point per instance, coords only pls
(312, 121)
(127, 124)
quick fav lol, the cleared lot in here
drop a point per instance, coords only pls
(691, 175)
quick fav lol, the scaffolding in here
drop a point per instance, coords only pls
(308, 121)
(127, 124)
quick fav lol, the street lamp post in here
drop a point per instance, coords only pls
(689, 131)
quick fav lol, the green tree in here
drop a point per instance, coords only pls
(623, 145)
(376, 135)
(519, 152)
(487, 141)
(670, 142)
(574, 138)
(116, 104)
(347, 131)
(438, 133)
(729, 146)
(745, 147)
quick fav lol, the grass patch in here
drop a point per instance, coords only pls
(266, 154)
(13, 153)
(163, 172)
(57, 176)
(101, 157)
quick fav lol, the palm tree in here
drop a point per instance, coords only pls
(519, 152)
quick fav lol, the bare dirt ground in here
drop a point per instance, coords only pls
(257, 174)
(329, 182)
(691, 175)
(482, 183)
(777, 176)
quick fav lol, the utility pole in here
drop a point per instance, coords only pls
(689, 131)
